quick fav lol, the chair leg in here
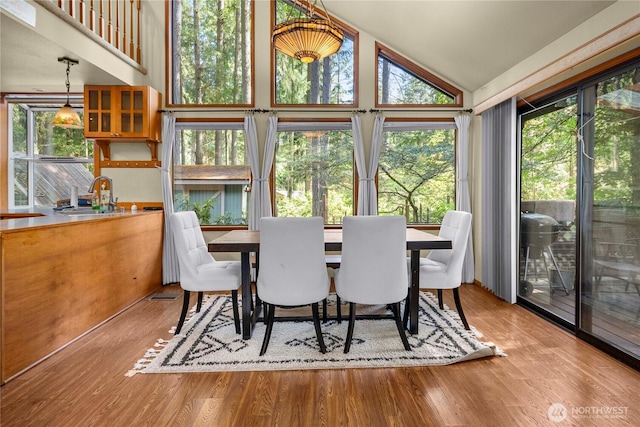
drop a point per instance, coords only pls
(324, 310)
(265, 306)
(183, 315)
(440, 303)
(400, 325)
(456, 297)
(405, 316)
(269, 315)
(352, 320)
(338, 309)
(316, 322)
(200, 295)
(236, 311)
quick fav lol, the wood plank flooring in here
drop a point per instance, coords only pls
(85, 385)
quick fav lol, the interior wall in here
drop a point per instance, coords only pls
(607, 34)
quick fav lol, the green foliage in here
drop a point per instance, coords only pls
(182, 202)
(550, 147)
(213, 53)
(548, 168)
(328, 81)
(314, 174)
(204, 211)
(416, 175)
(398, 86)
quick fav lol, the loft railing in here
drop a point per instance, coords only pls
(115, 21)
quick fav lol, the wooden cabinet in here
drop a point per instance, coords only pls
(122, 113)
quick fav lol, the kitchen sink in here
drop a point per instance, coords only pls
(75, 212)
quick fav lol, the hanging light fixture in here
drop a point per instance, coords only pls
(67, 117)
(308, 39)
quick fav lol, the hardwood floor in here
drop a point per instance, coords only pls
(85, 384)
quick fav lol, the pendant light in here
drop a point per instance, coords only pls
(67, 117)
(308, 39)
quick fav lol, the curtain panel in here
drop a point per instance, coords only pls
(463, 201)
(499, 250)
(170, 269)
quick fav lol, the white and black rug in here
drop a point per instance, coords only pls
(208, 342)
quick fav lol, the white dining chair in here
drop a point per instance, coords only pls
(442, 268)
(373, 268)
(199, 271)
(293, 270)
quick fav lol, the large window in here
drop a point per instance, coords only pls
(211, 52)
(45, 162)
(399, 82)
(314, 170)
(328, 81)
(209, 174)
(416, 172)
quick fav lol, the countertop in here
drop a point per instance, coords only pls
(45, 217)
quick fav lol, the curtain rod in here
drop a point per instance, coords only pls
(297, 110)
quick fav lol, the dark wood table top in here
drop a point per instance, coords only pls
(249, 241)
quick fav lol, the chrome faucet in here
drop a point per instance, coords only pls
(112, 204)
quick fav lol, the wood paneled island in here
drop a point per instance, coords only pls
(62, 276)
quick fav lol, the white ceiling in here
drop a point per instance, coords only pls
(468, 43)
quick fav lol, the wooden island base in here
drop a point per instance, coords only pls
(60, 281)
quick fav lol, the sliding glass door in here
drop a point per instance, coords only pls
(610, 129)
(580, 210)
(548, 206)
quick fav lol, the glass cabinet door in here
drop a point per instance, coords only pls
(98, 104)
(132, 112)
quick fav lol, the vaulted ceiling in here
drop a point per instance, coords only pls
(468, 43)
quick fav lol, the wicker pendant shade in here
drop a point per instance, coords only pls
(307, 39)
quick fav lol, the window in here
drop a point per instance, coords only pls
(209, 174)
(328, 81)
(416, 171)
(45, 162)
(400, 82)
(213, 53)
(314, 170)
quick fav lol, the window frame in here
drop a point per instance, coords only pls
(415, 70)
(348, 31)
(423, 124)
(212, 124)
(33, 105)
(315, 124)
(169, 50)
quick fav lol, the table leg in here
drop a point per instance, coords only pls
(246, 295)
(414, 298)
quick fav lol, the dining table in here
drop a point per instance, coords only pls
(247, 242)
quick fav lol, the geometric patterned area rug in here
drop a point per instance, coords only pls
(208, 342)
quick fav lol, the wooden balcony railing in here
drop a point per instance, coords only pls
(115, 21)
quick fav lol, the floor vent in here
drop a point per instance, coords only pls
(164, 297)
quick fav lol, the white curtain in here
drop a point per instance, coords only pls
(251, 138)
(260, 188)
(170, 269)
(367, 194)
(463, 202)
(499, 210)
